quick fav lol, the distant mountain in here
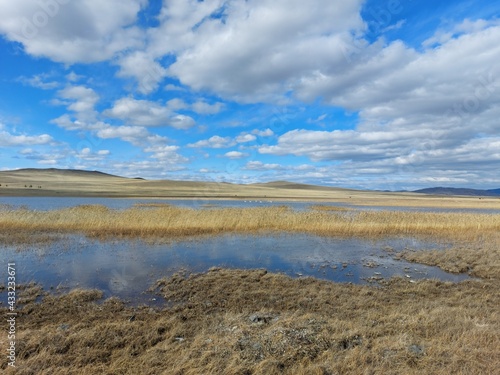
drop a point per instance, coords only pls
(459, 191)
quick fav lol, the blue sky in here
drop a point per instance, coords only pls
(395, 94)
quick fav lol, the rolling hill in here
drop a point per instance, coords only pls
(460, 191)
(80, 183)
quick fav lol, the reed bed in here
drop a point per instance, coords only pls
(172, 221)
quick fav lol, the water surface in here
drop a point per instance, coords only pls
(127, 268)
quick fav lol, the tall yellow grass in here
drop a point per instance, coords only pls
(170, 221)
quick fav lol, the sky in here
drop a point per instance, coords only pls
(375, 94)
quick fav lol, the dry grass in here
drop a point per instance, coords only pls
(171, 221)
(479, 258)
(320, 207)
(252, 322)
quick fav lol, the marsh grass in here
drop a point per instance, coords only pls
(321, 207)
(480, 257)
(172, 221)
(253, 322)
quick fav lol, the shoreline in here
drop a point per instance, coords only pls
(452, 202)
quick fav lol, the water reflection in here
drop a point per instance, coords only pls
(126, 268)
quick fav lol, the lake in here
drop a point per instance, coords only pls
(52, 203)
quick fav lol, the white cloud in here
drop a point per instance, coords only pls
(136, 135)
(318, 119)
(224, 142)
(39, 81)
(177, 104)
(128, 133)
(243, 138)
(182, 122)
(171, 87)
(224, 54)
(263, 133)
(144, 69)
(44, 156)
(398, 82)
(442, 36)
(73, 77)
(87, 155)
(84, 98)
(235, 155)
(260, 166)
(7, 139)
(48, 161)
(214, 142)
(72, 31)
(203, 108)
(166, 153)
(66, 122)
(417, 115)
(147, 113)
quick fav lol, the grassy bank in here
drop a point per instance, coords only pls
(252, 322)
(171, 221)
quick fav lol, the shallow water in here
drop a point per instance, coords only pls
(52, 203)
(127, 268)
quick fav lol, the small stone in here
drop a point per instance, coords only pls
(64, 327)
(416, 349)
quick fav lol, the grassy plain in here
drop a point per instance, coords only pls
(68, 183)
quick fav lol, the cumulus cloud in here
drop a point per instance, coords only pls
(263, 133)
(204, 108)
(224, 142)
(244, 138)
(255, 50)
(72, 31)
(147, 113)
(39, 81)
(83, 99)
(87, 155)
(167, 154)
(416, 114)
(144, 69)
(67, 122)
(400, 82)
(127, 133)
(8, 139)
(468, 26)
(214, 142)
(235, 155)
(260, 166)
